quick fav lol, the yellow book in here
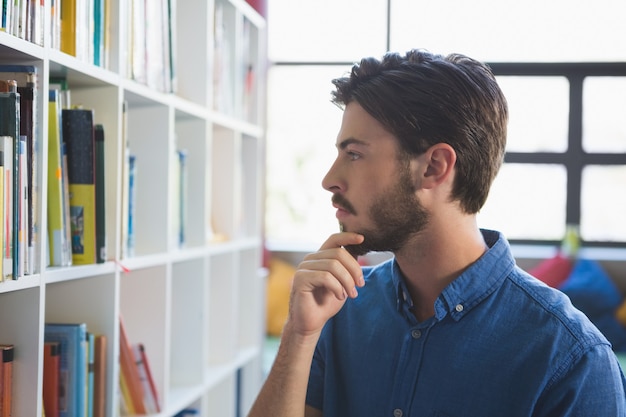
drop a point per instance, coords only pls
(68, 26)
(126, 403)
(60, 254)
(78, 135)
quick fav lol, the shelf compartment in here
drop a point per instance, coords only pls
(222, 296)
(90, 300)
(189, 316)
(25, 336)
(191, 136)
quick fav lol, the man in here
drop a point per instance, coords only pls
(449, 326)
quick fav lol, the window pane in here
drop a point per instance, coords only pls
(603, 211)
(538, 113)
(302, 128)
(604, 107)
(326, 30)
(512, 31)
(527, 201)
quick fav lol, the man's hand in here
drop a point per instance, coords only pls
(322, 283)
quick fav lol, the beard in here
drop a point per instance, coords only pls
(397, 215)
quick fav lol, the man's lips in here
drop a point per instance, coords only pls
(343, 206)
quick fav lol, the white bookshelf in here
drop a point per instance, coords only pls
(198, 309)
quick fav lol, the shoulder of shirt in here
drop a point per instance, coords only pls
(558, 305)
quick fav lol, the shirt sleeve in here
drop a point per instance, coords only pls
(315, 389)
(593, 385)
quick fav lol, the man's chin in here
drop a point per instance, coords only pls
(357, 250)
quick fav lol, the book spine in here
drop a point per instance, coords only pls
(151, 397)
(130, 373)
(100, 366)
(132, 195)
(7, 221)
(6, 378)
(101, 248)
(23, 209)
(78, 133)
(51, 379)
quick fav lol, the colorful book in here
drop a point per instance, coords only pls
(78, 135)
(26, 77)
(10, 126)
(99, 376)
(6, 146)
(60, 252)
(101, 247)
(72, 338)
(91, 355)
(51, 364)
(22, 220)
(6, 380)
(130, 374)
(132, 196)
(151, 397)
(182, 196)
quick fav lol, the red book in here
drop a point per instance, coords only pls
(51, 357)
(145, 374)
(99, 373)
(129, 369)
(6, 380)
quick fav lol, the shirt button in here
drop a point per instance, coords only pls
(397, 413)
(416, 335)
(459, 307)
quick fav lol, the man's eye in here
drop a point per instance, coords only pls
(353, 156)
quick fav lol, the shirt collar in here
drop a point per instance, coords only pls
(472, 286)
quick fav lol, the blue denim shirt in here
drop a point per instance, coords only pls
(501, 343)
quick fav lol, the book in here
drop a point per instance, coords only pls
(183, 177)
(99, 376)
(67, 222)
(72, 338)
(22, 195)
(132, 196)
(51, 364)
(60, 252)
(78, 135)
(68, 26)
(6, 147)
(9, 126)
(26, 77)
(130, 374)
(2, 138)
(125, 183)
(91, 355)
(6, 379)
(101, 247)
(98, 32)
(151, 397)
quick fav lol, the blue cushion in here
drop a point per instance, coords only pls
(591, 289)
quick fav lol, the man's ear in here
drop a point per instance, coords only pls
(439, 161)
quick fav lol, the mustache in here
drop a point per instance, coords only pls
(340, 200)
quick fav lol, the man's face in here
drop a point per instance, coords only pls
(372, 186)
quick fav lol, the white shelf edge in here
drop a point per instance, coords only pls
(27, 281)
(60, 274)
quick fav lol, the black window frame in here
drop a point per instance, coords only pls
(574, 158)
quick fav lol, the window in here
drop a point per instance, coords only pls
(565, 83)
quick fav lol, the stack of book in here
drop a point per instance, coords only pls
(74, 376)
(18, 156)
(76, 206)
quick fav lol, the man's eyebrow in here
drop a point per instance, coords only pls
(349, 141)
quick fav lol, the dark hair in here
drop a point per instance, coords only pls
(424, 99)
